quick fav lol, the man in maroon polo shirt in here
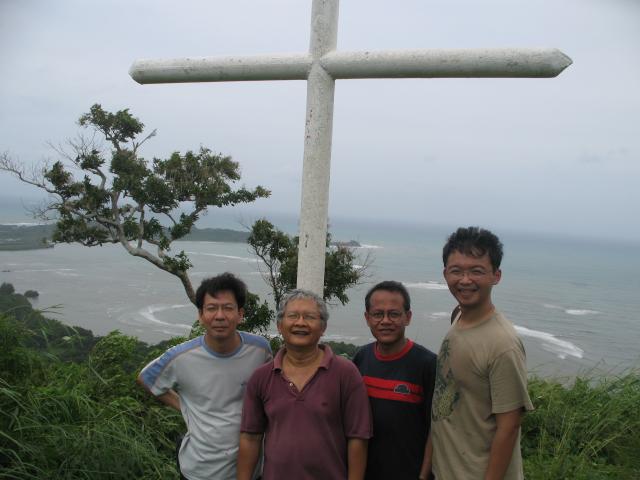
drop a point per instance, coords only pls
(309, 405)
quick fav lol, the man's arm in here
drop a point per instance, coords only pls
(507, 427)
(425, 470)
(169, 398)
(356, 458)
(248, 454)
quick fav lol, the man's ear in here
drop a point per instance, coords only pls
(497, 276)
(409, 315)
(241, 312)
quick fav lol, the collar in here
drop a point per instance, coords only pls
(326, 359)
(393, 356)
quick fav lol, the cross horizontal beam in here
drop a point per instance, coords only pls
(439, 63)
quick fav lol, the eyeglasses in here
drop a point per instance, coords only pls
(475, 273)
(306, 316)
(393, 315)
(227, 309)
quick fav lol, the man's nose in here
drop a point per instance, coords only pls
(466, 277)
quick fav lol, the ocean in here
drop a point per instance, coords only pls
(574, 301)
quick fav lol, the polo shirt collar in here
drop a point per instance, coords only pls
(326, 359)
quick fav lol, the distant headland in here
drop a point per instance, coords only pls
(23, 236)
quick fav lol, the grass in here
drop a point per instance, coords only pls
(588, 430)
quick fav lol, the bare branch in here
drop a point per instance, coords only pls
(35, 178)
(136, 145)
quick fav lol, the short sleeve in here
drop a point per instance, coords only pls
(356, 410)
(508, 380)
(159, 376)
(254, 418)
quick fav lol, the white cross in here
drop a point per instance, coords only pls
(321, 67)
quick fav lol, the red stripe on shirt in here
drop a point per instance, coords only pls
(386, 384)
(393, 389)
(391, 395)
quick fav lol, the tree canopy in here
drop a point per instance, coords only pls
(279, 254)
(123, 198)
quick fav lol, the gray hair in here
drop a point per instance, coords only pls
(300, 294)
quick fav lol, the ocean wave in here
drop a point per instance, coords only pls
(430, 285)
(573, 311)
(554, 307)
(440, 314)
(551, 343)
(149, 312)
(23, 224)
(64, 272)
(370, 247)
(228, 257)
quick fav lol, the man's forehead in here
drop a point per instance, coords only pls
(459, 257)
(302, 304)
(386, 295)
(223, 296)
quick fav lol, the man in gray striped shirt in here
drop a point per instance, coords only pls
(204, 378)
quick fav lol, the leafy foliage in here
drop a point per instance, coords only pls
(122, 198)
(77, 420)
(279, 253)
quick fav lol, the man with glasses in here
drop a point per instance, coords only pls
(399, 375)
(308, 405)
(204, 379)
(481, 385)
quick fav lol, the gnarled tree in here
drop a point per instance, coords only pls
(123, 198)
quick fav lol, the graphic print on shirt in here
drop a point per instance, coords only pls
(445, 395)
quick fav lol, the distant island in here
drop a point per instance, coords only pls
(349, 244)
(25, 237)
(30, 237)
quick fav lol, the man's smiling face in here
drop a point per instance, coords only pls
(301, 325)
(470, 279)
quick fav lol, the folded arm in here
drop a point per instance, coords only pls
(169, 398)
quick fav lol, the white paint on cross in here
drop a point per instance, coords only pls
(321, 67)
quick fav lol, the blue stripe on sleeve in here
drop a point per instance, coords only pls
(255, 340)
(152, 371)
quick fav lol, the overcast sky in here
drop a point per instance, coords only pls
(549, 155)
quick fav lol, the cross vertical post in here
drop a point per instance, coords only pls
(316, 165)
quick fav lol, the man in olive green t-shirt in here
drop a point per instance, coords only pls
(481, 380)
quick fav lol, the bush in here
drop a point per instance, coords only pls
(7, 289)
(590, 430)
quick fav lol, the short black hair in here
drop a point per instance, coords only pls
(389, 286)
(474, 241)
(225, 282)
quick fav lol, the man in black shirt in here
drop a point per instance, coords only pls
(399, 375)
